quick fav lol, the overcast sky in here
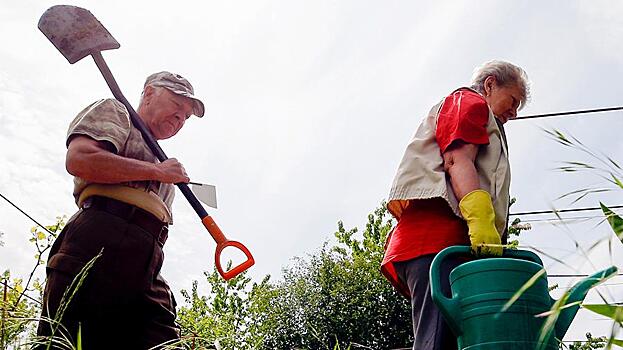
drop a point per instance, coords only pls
(310, 105)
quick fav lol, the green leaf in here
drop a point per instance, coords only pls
(617, 181)
(617, 342)
(79, 337)
(610, 311)
(613, 162)
(615, 221)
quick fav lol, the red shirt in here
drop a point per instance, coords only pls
(428, 225)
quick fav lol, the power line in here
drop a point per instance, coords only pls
(513, 214)
(597, 286)
(538, 212)
(557, 114)
(576, 275)
(23, 212)
(26, 295)
(558, 220)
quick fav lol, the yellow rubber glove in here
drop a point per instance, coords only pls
(477, 210)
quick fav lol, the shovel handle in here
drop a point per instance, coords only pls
(208, 222)
(222, 243)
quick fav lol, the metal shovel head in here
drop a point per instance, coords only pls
(205, 193)
(75, 32)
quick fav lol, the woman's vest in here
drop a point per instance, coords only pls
(421, 172)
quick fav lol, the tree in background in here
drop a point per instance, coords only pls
(334, 298)
(20, 301)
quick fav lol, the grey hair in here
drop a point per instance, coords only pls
(505, 73)
(143, 93)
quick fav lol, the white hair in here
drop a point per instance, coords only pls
(505, 73)
(143, 93)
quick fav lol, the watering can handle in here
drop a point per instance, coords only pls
(523, 255)
(450, 306)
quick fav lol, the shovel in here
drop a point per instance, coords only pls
(205, 193)
(76, 33)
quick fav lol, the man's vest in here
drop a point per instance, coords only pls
(421, 173)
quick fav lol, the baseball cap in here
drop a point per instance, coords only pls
(178, 85)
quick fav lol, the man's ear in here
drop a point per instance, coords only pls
(148, 92)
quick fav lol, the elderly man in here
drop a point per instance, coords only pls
(125, 196)
(452, 188)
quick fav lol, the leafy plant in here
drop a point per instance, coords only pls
(611, 173)
(590, 344)
(333, 299)
(21, 301)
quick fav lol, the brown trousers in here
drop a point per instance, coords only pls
(123, 303)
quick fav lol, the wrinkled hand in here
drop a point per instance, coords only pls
(477, 210)
(172, 171)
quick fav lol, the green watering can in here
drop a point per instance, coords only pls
(482, 287)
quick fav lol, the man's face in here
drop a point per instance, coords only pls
(164, 112)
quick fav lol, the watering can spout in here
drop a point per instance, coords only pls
(576, 296)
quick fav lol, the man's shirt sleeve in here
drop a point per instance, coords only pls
(463, 116)
(104, 120)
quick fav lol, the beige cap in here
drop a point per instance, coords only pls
(178, 85)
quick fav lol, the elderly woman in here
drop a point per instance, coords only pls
(452, 188)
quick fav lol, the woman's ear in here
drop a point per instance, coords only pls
(488, 85)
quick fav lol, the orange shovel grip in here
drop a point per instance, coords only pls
(227, 275)
(222, 243)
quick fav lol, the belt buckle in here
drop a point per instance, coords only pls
(88, 203)
(163, 235)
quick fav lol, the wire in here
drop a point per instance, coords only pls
(597, 110)
(558, 220)
(513, 214)
(538, 212)
(597, 286)
(576, 275)
(23, 212)
(26, 295)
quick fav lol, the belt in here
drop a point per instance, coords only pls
(133, 215)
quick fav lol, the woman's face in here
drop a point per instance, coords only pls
(503, 100)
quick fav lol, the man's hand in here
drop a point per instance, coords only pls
(172, 172)
(477, 209)
(96, 161)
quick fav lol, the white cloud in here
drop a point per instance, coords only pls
(310, 106)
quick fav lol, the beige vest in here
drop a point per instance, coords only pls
(421, 174)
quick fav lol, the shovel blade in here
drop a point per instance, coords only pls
(75, 32)
(205, 193)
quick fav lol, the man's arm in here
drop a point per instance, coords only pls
(94, 161)
(458, 162)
